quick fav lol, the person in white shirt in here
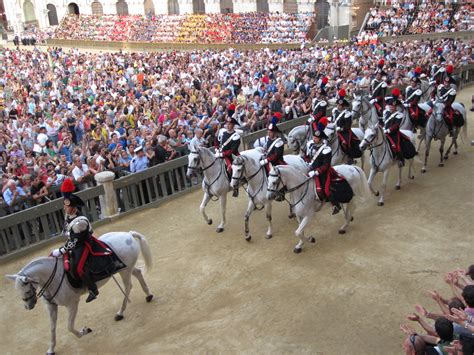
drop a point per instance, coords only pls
(81, 172)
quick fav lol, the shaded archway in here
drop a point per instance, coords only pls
(149, 7)
(290, 6)
(72, 8)
(97, 8)
(262, 6)
(173, 7)
(227, 6)
(198, 7)
(52, 15)
(322, 9)
(29, 11)
(122, 7)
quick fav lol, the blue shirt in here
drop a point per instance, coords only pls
(8, 195)
(138, 164)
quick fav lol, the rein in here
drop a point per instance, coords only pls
(47, 284)
(252, 197)
(208, 186)
(372, 148)
(306, 182)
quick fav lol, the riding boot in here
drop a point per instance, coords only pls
(336, 204)
(401, 160)
(235, 193)
(91, 286)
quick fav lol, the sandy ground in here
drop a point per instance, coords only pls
(217, 293)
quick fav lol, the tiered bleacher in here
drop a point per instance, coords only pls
(195, 28)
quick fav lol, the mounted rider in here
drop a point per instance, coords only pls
(227, 145)
(438, 69)
(78, 230)
(274, 149)
(311, 147)
(390, 123)
(413, 95)
(447, 94)
(378, 88)
(319, 104)
(325, 176)
(342, 118)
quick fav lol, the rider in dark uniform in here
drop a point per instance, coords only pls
(391, 123)
(79, 231)
(319, 104)
(413, 95)
(227, 144)
(274, 149)
(447, 94)
(378, 88)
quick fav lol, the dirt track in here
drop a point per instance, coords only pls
(217, 293)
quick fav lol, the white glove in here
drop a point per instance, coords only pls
(263, 162)
(218, 155)
(386, 131)
(313, 173)
(373, 101)
(406, 105)
(338, 129)
(56, 253)
(311, 119)
(432, 82)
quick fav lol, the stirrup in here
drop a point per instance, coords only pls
(92, 296)
(401, 163)
(336, 209)
(235, 193)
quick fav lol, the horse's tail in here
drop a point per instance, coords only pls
(363, 192)
(145, 248)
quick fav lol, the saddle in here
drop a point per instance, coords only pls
(453, 117)
(349, 144)
(401, 145)
(97, 259)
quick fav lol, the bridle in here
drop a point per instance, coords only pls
(360, 112)
(289, 190)
(201, 162)
(249, 178)
(208, 186)
(372, 147)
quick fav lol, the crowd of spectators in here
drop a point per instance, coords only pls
(248, 27)
(70, 113)
(413, 17)
(450, 329)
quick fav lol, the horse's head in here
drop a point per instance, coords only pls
(275, 183)
(330, 131)
(296, 138)
(356, 106)
(194, 162)
(238, 171)
(438, 111)
(27, 288)
(370, 137)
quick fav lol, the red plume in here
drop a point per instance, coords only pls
(381, 62)
(325, 80)
(449, 69)
(396, 92)
(68, 186)
(342, 93)
(418, 70)
(277, 115)
(324, 121)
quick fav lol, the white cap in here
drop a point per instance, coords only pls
(138, 149)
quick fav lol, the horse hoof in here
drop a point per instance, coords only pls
(446, 157)
(88, 330)
(377, 193)
(50, 353)
(269, 236)
(342, 231)
(352, 218)
(397, 187)
(423, 170)
(219, 230)
(455, 153)
(209, 222)
(412, 177)
(291, 216)
(248, 238)
(380, 203)
(118, 317)
(440, 165)
(297, 250)
(149, 298)
(312, 240)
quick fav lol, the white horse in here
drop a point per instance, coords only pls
(427, 89)
(407, 124)
(300, 135)
(436, 128)
(247, 166)
(382, 159)
(304, 199)
(48, 275)
(364, 111)
(215, 182)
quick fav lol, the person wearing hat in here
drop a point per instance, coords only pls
(378, 87)
(320, 165)
(341, 108)
(227, 145)
(391, 121)
(396, 99)
(447, 94)
(415, 112)
(78, 230)
(346, 137)
(412, 88)
(140, 161)
(437, 69)
(274, 148)
(319, 104)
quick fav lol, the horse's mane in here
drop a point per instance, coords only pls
(33, 263)
(291, 168)
(254, 154)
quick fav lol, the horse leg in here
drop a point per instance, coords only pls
(370, 180)
(53, 318)
(362, 161)
(223, 200)
(268, 212)
(139, 276)
(411, 175)
(202, 208)
(72, 309)
(427, 154)
(453, 142)
(347, 217)
(291, 214)
(441, 149)
(250, 207)
(126, 276)
(300, 233)
(382, 188)
(421, 141)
